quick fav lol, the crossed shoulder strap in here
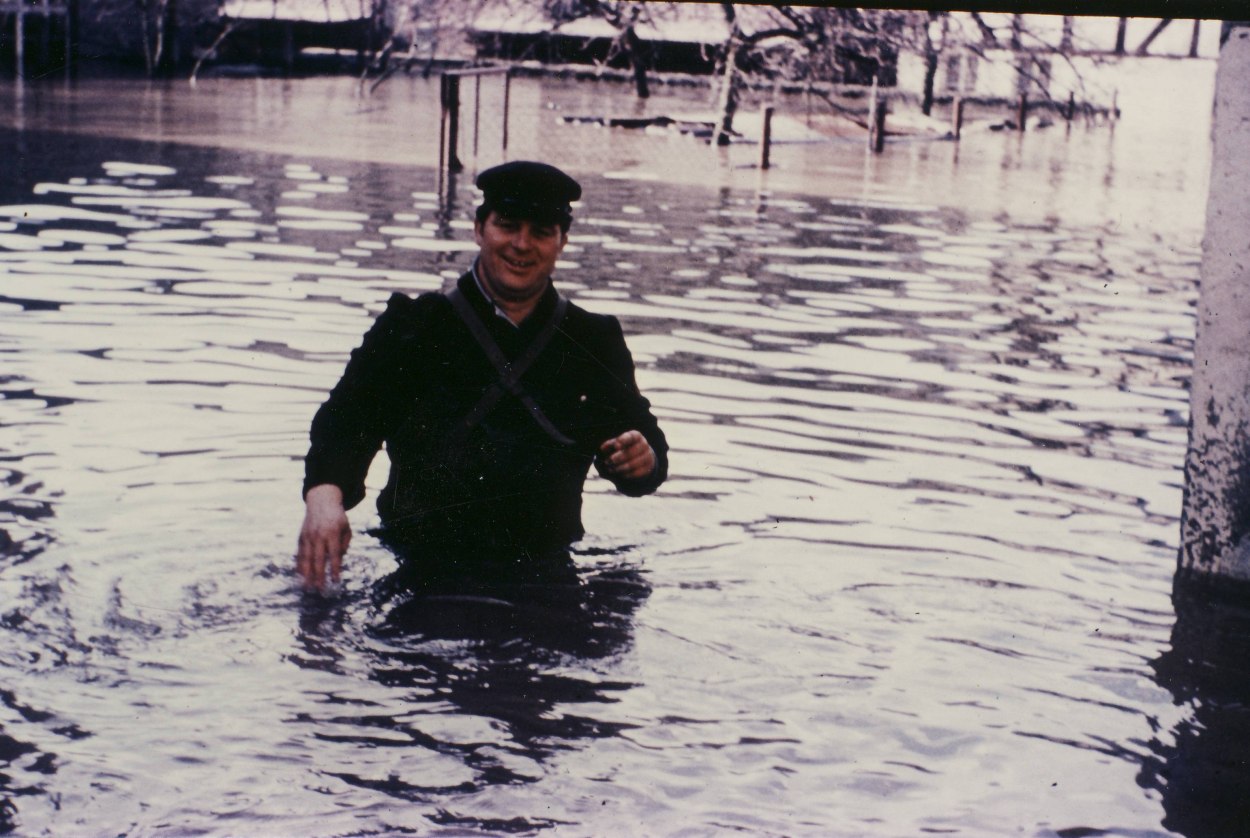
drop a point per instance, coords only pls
(510, 372)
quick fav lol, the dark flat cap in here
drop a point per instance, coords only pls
(525, 189)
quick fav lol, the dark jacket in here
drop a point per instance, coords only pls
(507, 485)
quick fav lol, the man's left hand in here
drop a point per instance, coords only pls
(628, 455)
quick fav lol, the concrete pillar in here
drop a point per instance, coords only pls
(1215, 521)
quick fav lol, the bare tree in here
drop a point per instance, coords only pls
(727, 72)
(158, 32)
(813, 44)
(154, 17)
(624, 17)
(227, 30)
(406, 33)
(1031, 53)
(932, 48)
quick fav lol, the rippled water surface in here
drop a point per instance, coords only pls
(910, 574)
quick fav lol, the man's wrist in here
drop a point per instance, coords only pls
(324, 494)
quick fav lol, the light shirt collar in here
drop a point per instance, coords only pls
(499, 312)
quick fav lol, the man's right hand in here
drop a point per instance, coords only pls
(323, 538)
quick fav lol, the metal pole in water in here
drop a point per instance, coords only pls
(453, 126)
(507, 98)
(451, 120)
(20, 41)
(442, 124)
(1215, 521)
(477, 111)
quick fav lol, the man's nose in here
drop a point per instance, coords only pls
(523, 238)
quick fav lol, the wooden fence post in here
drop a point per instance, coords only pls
(872, 110)
(766, 137)
(957, 117)
(876, 119)
(878, 126)
(1022, 111)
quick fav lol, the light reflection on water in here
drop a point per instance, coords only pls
(910, 572)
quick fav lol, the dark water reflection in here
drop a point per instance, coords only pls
(487, 684)
(912, 572)
(1200, 766)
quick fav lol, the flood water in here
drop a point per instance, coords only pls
(911, 573)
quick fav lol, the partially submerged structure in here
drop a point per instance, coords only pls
(672, 38)
(999, 56)
(275, 32)
(47, 25)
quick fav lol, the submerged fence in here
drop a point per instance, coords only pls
(449, 120)
(51, 19)
(580, 118)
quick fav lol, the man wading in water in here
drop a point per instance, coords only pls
(493, 400)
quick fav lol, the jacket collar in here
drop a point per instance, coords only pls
(471, 286)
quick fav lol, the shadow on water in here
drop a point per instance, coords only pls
(1203, 773)
(26, 508)
(513, 653)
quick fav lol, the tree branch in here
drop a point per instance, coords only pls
(988, 38)
(230, 26)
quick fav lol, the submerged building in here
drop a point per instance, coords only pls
(277, 32)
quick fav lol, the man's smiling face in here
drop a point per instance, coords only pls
(517, 255)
